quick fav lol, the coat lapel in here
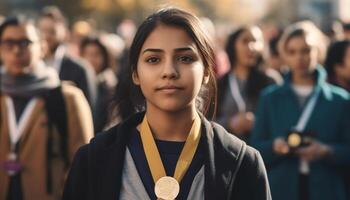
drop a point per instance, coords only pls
(222, 150)
(112, 161)
(34, 116)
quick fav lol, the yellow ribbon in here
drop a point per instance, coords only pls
(153, 157)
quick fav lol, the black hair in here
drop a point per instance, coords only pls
(273, 45)
(128, 96)
(335, 55)
(11, 21)
(54, 13)
(230, 44)
(256, 79)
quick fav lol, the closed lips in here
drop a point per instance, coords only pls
(169, 87)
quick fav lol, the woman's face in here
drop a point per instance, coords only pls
(299, 55)
(92, 53)
(170, 70)
(246, 47)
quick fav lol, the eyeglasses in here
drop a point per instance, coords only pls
(10, 44)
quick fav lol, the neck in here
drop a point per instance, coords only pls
(303, 78)
(173, 126)
(241, 72)
(51, 53)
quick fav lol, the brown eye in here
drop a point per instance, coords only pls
(152, 60)
(185, 59)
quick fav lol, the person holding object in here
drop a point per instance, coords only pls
(302, 127)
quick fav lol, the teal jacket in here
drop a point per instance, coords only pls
(278, 111)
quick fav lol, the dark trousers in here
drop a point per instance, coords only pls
(15, 188)
(303, 187)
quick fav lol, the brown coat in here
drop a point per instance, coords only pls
(33, 145)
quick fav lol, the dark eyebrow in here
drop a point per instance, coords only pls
(184, 49)
(152, 50)
(176, 50)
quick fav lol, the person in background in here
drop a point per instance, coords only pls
(99, 57)
(52, 28)
(337, 64)
(42, 121)
(302, 127)
(346, 30)
(239, 89)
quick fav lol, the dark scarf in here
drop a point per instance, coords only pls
(34, 83)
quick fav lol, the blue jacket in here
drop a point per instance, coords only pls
(278, 111)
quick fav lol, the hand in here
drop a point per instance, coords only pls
(280, 146)
(242, 123)
(314, 151)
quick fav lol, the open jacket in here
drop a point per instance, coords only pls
(33, 145)
(97, 168)
(278, 112)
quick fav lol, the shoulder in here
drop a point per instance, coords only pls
(232, 144)
(273, 76)
(75, 65)
(72, 62)
(272, 92)
(251, 169)
(106, 138)
(339, 93)
(117, 135)
(71, 92)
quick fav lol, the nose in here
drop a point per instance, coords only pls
(170, 70)
(17, 49)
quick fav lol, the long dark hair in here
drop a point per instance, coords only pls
(129, 98)
(230, 45)
(335, 55)
(256, 79)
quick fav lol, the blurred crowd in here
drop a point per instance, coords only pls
(263, 92)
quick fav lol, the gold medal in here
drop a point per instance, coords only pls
(294, 140)
(167, 188)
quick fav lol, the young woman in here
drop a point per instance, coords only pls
(337, 64)
(239, 89)
(99, 57)
(170, 151)
(302, 127)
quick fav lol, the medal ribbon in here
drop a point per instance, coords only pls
(16, 130)
(153, 157)
(304, 167)
(236, 94)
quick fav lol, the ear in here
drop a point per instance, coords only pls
(206, 76)
(135, 78)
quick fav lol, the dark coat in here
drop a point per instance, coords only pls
(97, 169)
(81, 75)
